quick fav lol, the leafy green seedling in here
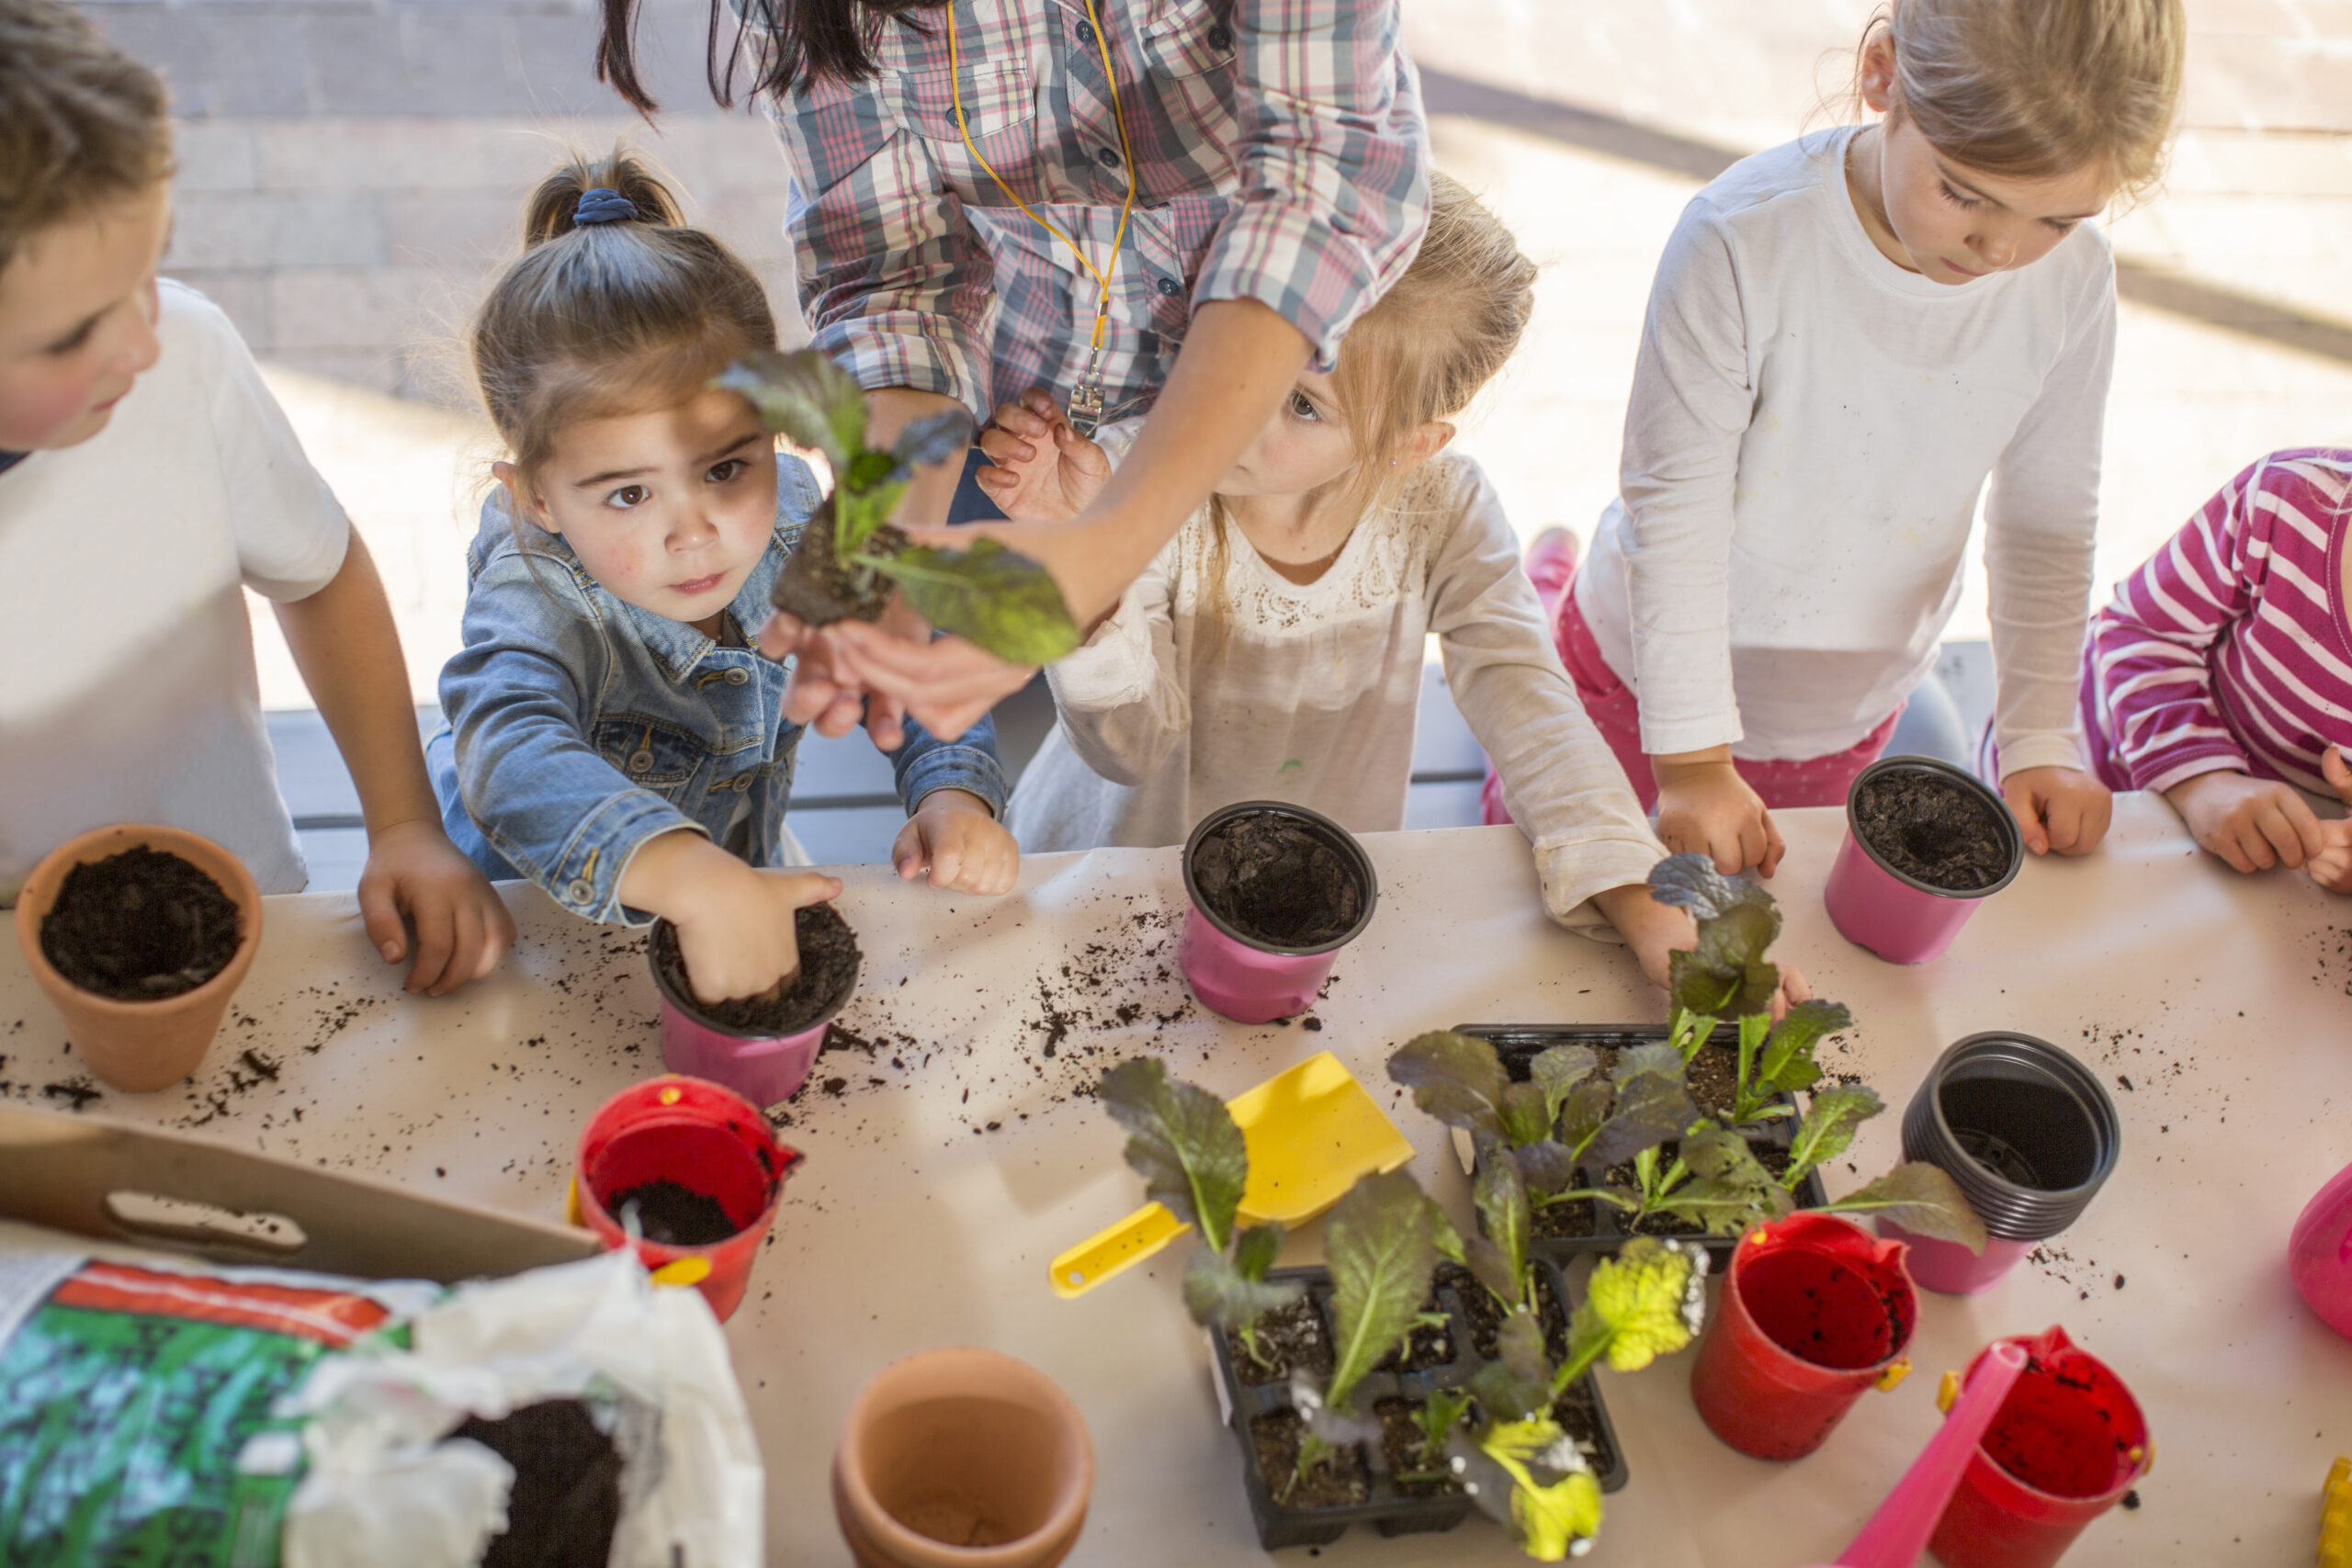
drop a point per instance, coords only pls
(1381, 1249)
(851, 558)
(1184, 1143)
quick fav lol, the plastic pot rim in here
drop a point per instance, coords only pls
(1334, 836)
(100, 844)
(2085, 1087)
(2010, 836)
(693, 1010)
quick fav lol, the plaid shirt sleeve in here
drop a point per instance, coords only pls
(893, 278)
(1333, 169)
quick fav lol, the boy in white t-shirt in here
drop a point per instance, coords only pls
(146, 475)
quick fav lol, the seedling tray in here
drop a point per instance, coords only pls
(1386, 1509)
(1520, 1044)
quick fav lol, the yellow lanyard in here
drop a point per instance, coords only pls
(1086, 398)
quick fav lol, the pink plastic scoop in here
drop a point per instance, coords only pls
(1898, 1532)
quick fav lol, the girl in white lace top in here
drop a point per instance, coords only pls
(1273, 649)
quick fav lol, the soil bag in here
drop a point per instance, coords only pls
(154, 1409)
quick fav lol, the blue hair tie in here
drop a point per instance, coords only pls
(602, 206)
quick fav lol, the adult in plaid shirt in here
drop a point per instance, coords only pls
(1279, 166)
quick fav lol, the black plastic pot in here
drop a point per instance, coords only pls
(2026, 1132)
(1520, 1044)
(1386, 1508)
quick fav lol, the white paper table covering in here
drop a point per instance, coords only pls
(2222, 998)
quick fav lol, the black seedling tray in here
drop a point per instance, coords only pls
(1520, 1044)
(1384, 1508)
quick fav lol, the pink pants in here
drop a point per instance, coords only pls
(1617, 714)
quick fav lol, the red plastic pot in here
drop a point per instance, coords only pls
(2065, 1445)
(708, 1140)
(1814, 1310)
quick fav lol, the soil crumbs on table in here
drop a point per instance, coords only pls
(829, 958)
(1340, 1479)
(139, 926)
(1290, 1339)
(673, 1215)
(566, 1502)
(1412, 1470)
(1934, 829)
(1267, 876)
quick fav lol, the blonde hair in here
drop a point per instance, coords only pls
(81, 122)
(1420, 353)
(2036, 89)
(607, 318)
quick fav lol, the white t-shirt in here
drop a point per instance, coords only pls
(1309, 695)
(1809, 430)
(127, 686)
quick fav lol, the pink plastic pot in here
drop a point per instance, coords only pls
(2067, 1443)
(1901, 919)
(1949, 1268)
(705, 1139)
(1239, 976)
(2319, 1258)
(1814, 1310)
(765, 1069)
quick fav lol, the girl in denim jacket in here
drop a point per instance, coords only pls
(612, 734)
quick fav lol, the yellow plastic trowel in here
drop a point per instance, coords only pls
(1311, 1131)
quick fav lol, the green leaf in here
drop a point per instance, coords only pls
(1650, 1109)
(934, 438)
(1559, 1070)
(1456, 1078)
(1254, 1250)
(1728, 1190)
(1184, 1143)
(1922, 1200)
(1381, 1254)
(1524, 1115)
(1583, 1115)
(806, 396)
(1440, 1413)
(1218, 1294)
(1499, 1192)
(1793, 1040)
(1518, 1382)
(1638, 1061)
(1445, 1237)
(1727, 976)
(1548, 1167)
(991, 596)
(1828, 1127)
(1649, 1301)
(1531, 1476)
(1691, 882)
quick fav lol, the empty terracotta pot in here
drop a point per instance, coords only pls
(962, 1458)
(139, 1046)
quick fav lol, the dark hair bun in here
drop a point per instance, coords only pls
(553, 210)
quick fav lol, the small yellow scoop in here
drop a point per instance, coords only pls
(1311, 1132)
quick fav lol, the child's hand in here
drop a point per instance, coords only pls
(2332, 867)
(2251, 823)
(1657, 931)
(2058, 808)
(1706, 808)
(1045, 471)
(462, 925)
(735, 927)
(959, 840)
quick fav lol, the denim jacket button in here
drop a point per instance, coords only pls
(581, 891)
(743, 783)
(738, 675)
(639, 760)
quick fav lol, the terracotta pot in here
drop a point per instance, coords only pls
(140, 1047)
(962, 1458)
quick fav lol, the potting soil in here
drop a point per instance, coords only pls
(672, 1216)
(818, 589)
(1277, 882)
(566, 1502)
(1340, 1479)
(1413, 1471)
(1290, 1339)
(139, 926)
(1932, 830)
(829, 958)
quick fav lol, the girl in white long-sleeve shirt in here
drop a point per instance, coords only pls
(1273, 649)
(1848, 337)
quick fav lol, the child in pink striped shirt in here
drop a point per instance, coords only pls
(2222, 674)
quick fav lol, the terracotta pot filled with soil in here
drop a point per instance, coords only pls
(139, 935)
(1393, 1485)
(762, 1047)
(2065, 1446)
(1814, 1310)
(1564, 1232)
(1276, 891)
(962, 1458)
(2028, 1135)
(1925, 843)
(820, 588)
(695, 1170)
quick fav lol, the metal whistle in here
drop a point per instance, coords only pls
(1086, 408)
